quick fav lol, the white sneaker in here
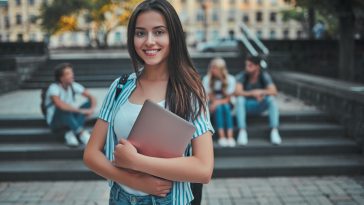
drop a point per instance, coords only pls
(85, 137)
(231, 142)
(275, 138)
(71, 139)
(243, 137)
(223, 142)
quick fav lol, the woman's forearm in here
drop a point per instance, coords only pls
(189, 169)
(98, 163)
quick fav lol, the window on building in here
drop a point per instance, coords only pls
(33, 37)
(259, 16)
(299, 34)
(246, 19)
(31, 2)
(200, 35)
(272, 34)
(18, 2)
(32, 19)
(259, 34)
(18, 19)
(74, 38)
(60, 40)
(273, 17)
(259, 2)
(117, 37)
(215, 15)
(7, 22)
(286, 34)
(231, 16)
(19, 37)
(200, 15)
(215, 35)
(273, 2)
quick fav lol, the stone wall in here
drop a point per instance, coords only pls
(319, 57)
(343, 100)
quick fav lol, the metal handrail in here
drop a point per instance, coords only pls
(245, 31)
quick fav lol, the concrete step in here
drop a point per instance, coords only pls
(288, 116)
(294, 165)
(22, 170)
(256, 147)
(254, 131)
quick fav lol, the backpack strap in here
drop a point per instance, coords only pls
(120, 85)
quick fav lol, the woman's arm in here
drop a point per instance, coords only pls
(95, 159)
(197, 168)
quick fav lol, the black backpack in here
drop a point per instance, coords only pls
(120, 85)
(43, 93)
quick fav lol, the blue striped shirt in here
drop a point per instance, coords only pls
(181, 191)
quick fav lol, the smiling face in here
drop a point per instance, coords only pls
(151, 39)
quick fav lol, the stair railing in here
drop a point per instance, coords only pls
(246, 34)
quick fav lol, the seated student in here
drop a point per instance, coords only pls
(60, 109)
(255, 93)
(219, 86)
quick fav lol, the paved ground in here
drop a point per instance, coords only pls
(239, 191)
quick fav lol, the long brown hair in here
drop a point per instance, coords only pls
(185, 94)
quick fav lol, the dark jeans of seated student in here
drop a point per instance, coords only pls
(74, 121)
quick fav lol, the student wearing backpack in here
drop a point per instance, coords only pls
(255, 93)
(164, 74)
(59, 108)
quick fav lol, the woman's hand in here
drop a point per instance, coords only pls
(152, 185)
(125, 154)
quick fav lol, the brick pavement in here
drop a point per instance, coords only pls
(330, 190)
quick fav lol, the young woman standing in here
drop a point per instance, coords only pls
(164, 74)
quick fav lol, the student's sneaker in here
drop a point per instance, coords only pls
(243, 137)
(71, 139)
(223, 142)
(231, 142)
(84, 137)
(275, 138)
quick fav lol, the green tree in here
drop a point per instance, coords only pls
(345, 12)
(101, 17)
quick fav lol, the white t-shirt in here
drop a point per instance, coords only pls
(218, 85)
(123, 122)
(55, 89)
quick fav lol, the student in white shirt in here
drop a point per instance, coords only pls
(61, 111)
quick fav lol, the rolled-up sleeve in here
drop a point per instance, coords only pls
(202, 124)
(105, 111)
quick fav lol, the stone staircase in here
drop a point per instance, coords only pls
(100, 72)
(312, 145)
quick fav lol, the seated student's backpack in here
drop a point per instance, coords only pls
(43, 93)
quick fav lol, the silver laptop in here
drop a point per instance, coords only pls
(157, 132)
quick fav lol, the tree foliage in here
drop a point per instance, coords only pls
(99, 17)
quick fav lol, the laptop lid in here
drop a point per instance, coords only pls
(157, 132)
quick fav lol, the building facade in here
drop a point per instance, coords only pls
(212, 19)
(202, 20)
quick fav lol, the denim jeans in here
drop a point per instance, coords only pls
(246, 106)
(120, 197)
(70, 120)
(223, 116)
